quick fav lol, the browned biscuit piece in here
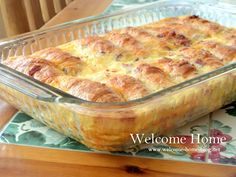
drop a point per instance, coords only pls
(66, 62)
(129, 87)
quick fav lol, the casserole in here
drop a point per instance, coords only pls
(107, 126)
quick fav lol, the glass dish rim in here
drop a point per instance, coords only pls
(26, 35)
(64, 97)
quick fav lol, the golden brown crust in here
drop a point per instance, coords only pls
(178, 67)
(129, 87)
(87, 89)
(224, 52)
(98, 45)
(151, 43)
(101, 46)
(195, 22)
(169, 35)
(153, 75)
(34, 67)
(47, 74)
(187, 30)
(127, 42)
(202, 24)
(229, 35)
(201, 57)
(66, 62)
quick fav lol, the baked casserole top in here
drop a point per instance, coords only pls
(130, 63)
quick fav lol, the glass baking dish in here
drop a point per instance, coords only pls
(108, 126)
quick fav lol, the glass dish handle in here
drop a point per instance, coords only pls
(26, 85)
